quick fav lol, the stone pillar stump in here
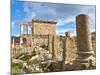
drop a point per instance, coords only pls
(84, 42)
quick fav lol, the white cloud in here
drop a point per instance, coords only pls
(66, 20)
(29, 14)
(12, 24)
(33, 14)
(55, 12)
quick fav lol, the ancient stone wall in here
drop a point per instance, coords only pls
(70, 47)
(41, 41)
(57, 47)
(43, 27)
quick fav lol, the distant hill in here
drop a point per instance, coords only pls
(17, 39)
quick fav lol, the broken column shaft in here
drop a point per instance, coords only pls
(54, 47)
(50, 43)
(84, 43)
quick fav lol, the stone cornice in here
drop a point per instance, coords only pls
(43, 21)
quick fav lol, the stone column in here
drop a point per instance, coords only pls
(50, 43)
(65, 48)
(29, 28)
(84, 44)
(21, 33)
(22, 29)
(13, 43)
(66, 44)
(54, 47)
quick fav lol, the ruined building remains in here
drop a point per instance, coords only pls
(42, 35)
(40, 31)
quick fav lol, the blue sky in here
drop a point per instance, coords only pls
(63, 14)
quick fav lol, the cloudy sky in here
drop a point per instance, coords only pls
(63, 14)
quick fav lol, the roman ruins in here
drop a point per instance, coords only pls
(41, 36)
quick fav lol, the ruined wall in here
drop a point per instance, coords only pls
(40, 40)
(27, 40)
(64, 44)
(71, 49)
(44, 33)
(57, 47)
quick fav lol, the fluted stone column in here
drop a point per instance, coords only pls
(22, 29)
(29, 28)
(21, 33)
(84, 43)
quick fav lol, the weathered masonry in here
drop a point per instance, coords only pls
(85, 52)
(77, 50)
(40, 30)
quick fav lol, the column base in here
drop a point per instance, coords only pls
(84, 63)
